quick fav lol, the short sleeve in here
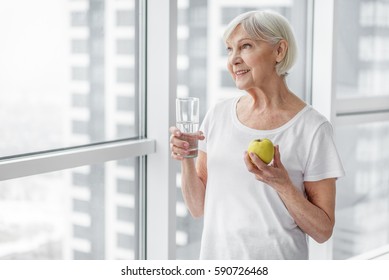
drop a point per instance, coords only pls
(323, 159)
(205, 129)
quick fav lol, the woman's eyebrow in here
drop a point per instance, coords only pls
(246, 38)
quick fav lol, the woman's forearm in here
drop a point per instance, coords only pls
(313, 220)
(193, 188)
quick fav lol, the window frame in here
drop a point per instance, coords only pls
(161, 68)
(18, 166)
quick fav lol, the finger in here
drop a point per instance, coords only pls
(175, 131)
(277, 157)
(176, 141)
(260, 177)
(248, 161)
(251, 167)
(176, 156)
(200, 135)
(179, 151)
(257, 161)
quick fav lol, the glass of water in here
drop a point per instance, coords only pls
(187, 121)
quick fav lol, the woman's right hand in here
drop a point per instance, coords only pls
(179, 148)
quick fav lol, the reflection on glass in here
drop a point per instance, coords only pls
(201, 65)
(362, 209)
(362, 48)
(82, 213)
(64, 70)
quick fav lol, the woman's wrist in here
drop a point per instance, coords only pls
(288, 191)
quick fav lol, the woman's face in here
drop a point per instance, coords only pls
(250, 62)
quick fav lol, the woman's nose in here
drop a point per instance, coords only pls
(235, 58)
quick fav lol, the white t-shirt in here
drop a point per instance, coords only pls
(243, 217)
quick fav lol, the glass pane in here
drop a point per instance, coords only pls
(67, 73)
(81, 213)
(362, 207)
(362, 48)
(201, 65)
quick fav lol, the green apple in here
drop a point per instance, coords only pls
(263, 148)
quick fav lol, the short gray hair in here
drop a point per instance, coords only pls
(270, 27)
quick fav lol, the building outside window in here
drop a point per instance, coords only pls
(362, 97)
(68, 79)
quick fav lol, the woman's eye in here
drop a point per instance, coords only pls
(246, 46)
(228, 50)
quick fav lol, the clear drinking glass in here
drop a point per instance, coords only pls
(187, 121)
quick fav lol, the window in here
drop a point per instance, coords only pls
(362, 218)
(62, 73)
(74, 124)
(362, 49)
(79, 46)
(125, 46)
(82, 213)
(362, 113)
(125, 18)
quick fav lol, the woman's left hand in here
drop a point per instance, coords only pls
(274, 174)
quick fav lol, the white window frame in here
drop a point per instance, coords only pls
(42, 162)
(322, 94)
(161, 94)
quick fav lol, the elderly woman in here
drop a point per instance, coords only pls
(253, 210)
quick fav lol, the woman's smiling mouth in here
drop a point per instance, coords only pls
(241, 72)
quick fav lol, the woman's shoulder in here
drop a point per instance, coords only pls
(228, 101)
(222, 105)
(313, 118)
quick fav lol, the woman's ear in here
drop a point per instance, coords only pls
(281, 48)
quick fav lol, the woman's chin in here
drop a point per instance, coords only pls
(240, 86)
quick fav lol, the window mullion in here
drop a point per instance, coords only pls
(50, 161)
(161, 93)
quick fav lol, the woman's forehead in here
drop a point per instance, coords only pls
(238, 34)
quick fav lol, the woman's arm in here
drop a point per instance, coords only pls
(194, 175)
(322, 195)
(315, 215)
(193, 184)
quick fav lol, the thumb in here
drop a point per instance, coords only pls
(200, 135)
(277, 157)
